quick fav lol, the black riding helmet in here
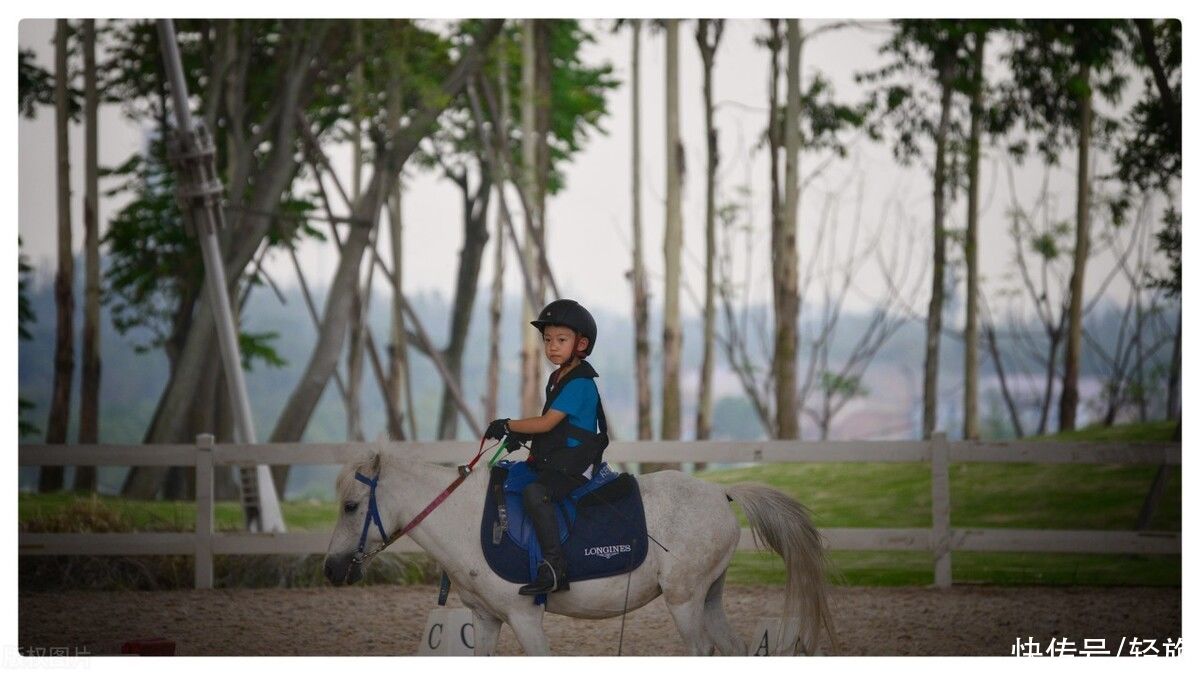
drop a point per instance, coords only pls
(572, 315)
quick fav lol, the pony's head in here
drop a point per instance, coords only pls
(343, 564)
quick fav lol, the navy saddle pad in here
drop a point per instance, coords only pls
(602, 526)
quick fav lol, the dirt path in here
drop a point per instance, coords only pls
(390, 620)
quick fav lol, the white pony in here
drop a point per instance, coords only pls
(690, 517)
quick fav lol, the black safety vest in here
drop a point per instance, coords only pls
(549, 450)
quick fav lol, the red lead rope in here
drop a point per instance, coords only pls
(434, 504)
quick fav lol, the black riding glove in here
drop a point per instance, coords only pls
(497, 429)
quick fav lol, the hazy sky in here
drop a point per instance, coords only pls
(589, 222)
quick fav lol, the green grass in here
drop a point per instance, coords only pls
(1139, 431)
(1033, 496)
(64, 511)
(1036, 496)
(77, 513)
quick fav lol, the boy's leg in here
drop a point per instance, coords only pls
(539, 498)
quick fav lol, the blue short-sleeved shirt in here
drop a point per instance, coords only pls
(578, 399)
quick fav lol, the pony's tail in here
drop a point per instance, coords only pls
(785, 525)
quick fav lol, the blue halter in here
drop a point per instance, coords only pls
(372, 515)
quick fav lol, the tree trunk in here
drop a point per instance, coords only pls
(1055, 338)
(495, 312)
(543, 81)
(971, 250)
(1069, 402)
(1013, 414)
(1174, 412)
(933, 322)
(354, 367)
(51, 477)
(672, 246)
(1140, 364)
(784, 253)
(226, 479)
(398, 372)
(708, 47)
(641, 300)
(1157, 488)
(470, 258)
(531, 356)
(89, 394)
(774, 144)
(936, 297)
(354, 355)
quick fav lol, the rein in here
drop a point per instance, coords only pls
(362, 556)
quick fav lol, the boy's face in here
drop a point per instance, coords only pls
(559, 341)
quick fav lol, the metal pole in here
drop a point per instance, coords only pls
(206, 218)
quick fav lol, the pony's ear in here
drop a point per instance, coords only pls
(375, 464)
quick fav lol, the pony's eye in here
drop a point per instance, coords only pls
(349, 507)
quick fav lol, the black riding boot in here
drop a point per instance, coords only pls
(552, 571)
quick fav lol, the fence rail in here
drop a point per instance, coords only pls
(941, 539)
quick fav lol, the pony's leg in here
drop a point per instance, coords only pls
(487, 632)
(528, 628)
(716, 624)
(689, 620)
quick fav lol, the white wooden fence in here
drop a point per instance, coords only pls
(941, 539)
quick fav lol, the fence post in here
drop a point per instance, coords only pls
(940, 536)
(204, 511)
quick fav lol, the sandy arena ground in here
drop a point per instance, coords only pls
(388, 621)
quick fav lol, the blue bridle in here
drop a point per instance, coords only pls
(372, 516)
(373, 507)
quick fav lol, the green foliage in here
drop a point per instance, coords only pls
(258, 346)
(25, 313)
(156, 270)
(578, 103)
(843, 387)
(1170, 242)
(924, 55)
(154, 266)
(1045, 244)
(824, 120)
(35, 85)
(1048, 61)
(1150, 152)
(393, 51)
